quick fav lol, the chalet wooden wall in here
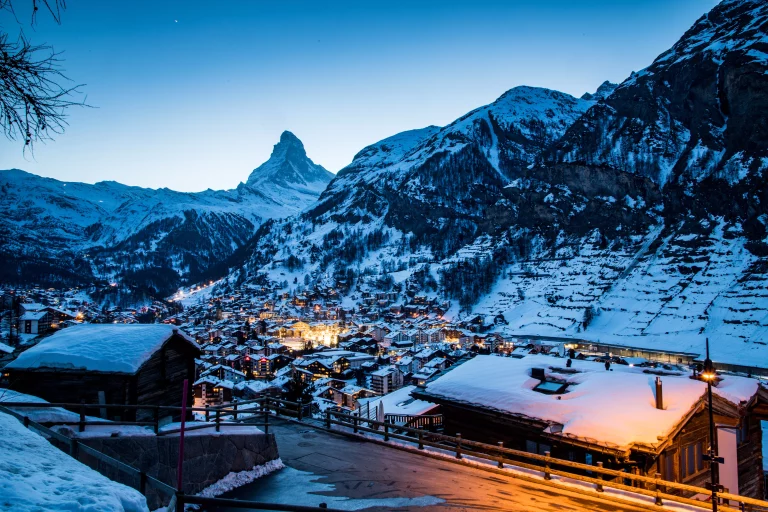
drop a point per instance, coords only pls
(158, 382)
(751, 481)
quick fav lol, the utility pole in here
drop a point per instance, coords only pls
(709, 375)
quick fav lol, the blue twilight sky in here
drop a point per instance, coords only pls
(192, 94)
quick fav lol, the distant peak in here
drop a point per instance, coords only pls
(602, 92)
(289, 146)
(289, 165)
(289, 138)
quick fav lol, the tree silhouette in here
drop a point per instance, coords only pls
(33, 94)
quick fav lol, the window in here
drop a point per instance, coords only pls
(669, 466)
(742, 434)
(691, 460)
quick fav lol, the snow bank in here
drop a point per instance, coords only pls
(117, 348)
(35, 476)
(42, 414)
(235, 480)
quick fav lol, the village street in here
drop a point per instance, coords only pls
(355, 475)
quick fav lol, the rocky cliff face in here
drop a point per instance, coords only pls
(697, 112)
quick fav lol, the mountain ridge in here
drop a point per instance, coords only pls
(178, 234)
(581, 218)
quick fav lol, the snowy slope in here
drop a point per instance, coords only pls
(35, 476)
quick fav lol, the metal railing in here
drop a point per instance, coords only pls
(654, 487)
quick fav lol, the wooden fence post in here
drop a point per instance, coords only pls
(421, 440)
(658, 490)
(73, 448)
(143, 483)
(266, 421)
(81, 426)
(207, 413)
(599, 486)
(218, 420)
(355, 419)
(234, 410)
(501, 455)
(157, 419)
(26, 421)
(300, 411)
(328, 418)
(458, 445)
(547, 475)
(386, 431)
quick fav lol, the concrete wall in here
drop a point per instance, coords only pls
(207, 458)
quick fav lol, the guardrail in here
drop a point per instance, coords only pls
(653, 487)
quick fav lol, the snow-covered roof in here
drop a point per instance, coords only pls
(400, 402)
(32, 306)
(33, 315)
(616, 408)
(114, 348)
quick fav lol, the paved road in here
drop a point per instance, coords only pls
(354, 475)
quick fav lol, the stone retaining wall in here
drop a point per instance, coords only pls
(207, 458)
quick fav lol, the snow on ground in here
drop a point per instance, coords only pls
(693, 287)
(290, 486)
(235, 480)
(35, 477)
(118, 348)
(41, 414)
(195, 294)
(595, 403)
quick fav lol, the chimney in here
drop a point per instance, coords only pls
(659, 394)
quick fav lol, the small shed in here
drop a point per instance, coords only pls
(109, 363)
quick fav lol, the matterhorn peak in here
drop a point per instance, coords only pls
(289, 166)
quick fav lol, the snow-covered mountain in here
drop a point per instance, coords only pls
(635, 214)
(72, 231)
(697, 111)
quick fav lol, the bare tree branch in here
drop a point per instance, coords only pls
(54, 7)
(33, 94)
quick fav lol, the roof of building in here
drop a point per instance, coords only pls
(33, 315)
(400, 402)
(615, 408)
(112, 348)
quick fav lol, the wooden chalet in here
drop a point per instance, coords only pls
(629, 419)
(111, 364)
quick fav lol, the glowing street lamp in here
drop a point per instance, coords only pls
(709, 375)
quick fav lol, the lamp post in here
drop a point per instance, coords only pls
(708, 374)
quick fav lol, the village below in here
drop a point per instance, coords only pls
(551, 303)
